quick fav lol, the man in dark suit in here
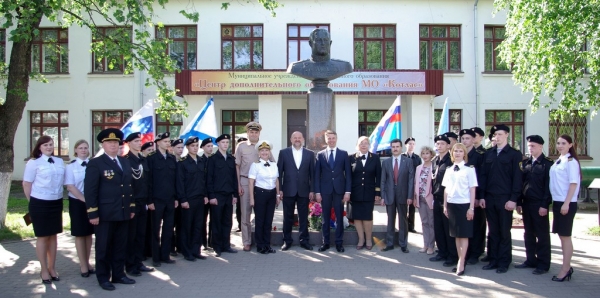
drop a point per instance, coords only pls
(332, 185)
(397, 192)
(109, 199)
(296, 169)
(416, 159)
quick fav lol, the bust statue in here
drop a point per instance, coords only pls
(320, 68)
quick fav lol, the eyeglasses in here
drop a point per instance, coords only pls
(456, 168)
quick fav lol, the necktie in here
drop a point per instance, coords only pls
(456, 168)
(395, 171)
(118, 165)
(267, 164)
(363, 157)
(50, 160)
(331, 161)
(83, 164)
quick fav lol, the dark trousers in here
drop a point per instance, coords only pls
(411, 217)
(289, 204)
(400, 209)
(148, 238)
(264, 209)
(191, 227)
(177, 231)
(441, 228)
(500, 224)
(206, 236)
(111, 249)
(333, 201)
(161, 239)
(477, 242)
(537, 237)
(136, 238)
(221, 222)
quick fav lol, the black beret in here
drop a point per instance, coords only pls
(110, 134)
(121, 143)
(191, 140)
(491, 136)
(408, 140)
(146, 145)
(442, 138)
(466, 132)
(223, 137)
(499, 127)
(242, 139)
(535, 139)
(451, 135)
(133, 136)
(162, 136)
(206, 142)
(478, 131)
(176, 142)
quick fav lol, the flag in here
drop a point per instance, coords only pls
(389, 128)
(444, 126)
(203, 125)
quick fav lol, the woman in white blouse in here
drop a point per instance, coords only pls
(459, 199)
(43, 187)
(565, 177)
(80, 223)
(264, 196)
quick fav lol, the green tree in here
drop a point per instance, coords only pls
(22, 19)
(554, 49)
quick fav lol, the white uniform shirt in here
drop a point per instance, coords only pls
(74, 174)
(562, 174)
(297, 156)
(264, 177)
(364, 161)
(458, 183)
(46, 178)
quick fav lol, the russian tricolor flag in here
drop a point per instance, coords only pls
(142, 121)
(388, 128)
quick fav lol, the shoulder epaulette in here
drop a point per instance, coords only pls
(549, 159)
(571, 158)
(480, 151)
(126, 155)
(72, 161)
(183, 158)
(151, 153)
(258, 161)
(471, 166)
(34, 158)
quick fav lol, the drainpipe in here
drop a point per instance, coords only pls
(475, 48)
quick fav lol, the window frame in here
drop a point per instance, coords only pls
(41, 125)
(116, 70)
(554, 128)
(185, 41)
(448, 39)
(495, 43)
(169, 124)
(510, 124)
(95, 146)
(251, 39)
(451, 123)
(254, 116)
(299, 38)
(365, 39)
(61, 42)
(364, 124)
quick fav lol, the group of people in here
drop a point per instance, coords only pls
(134, 203)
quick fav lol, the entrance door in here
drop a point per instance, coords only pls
(296, 121)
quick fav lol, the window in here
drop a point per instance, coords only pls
(242, 47)
(573, 125)
(107, 119)
(54, 124)
(298, 48)
(455, 120)
(367, 122)
(49, 51)
(2, 45)
(514, 119)
(173, 126)
(183, 46)
(439, 47)
(114, 63)
(493, 36)
(374, 46)
(234, 122)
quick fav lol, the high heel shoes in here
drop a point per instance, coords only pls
(45, 281)
(54, 278)
(567, 277)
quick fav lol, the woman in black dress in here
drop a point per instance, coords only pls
(366, 177)
(43, 187)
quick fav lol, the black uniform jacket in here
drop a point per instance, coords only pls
(536, 182)
(139, 183)
(475, 157)
(439, 170)
(222, 177)
(108, 192)
(501, 175)
(365, 179)
(161, 177)
(191, 178)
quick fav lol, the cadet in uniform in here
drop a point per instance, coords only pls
(161, 194)
(502, 185)
(177, 148)
(452, 137)
(136, 236)
(207, 147)
(109, 199)
(147, 148)
(192, 194)
(533, 204)
(223, 193)
(479, 136)
(416, 160)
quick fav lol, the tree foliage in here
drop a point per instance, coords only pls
(554, 49)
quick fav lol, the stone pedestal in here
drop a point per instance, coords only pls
(320, 116)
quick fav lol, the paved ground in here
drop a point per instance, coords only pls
(300, 273)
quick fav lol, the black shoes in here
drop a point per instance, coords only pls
(306, 246)
(190, 258)
(173, 253)
(230, 250)
(449, 263)
(486, 259)
(404, 250)
(123, 280)
(340, 248)
(156, 264)
(53, 278)
(217, 253)
(538, 271)
(134, 272)
(143, 268)
(472, 261)
(437, 258)
(168, 261)
(45, 281)
(524, 265)
(198, 256)
(388, 248)
(286, 246)
(324, 247)
(501, 270)
(107, 286)
(490, 267)
(412, 231)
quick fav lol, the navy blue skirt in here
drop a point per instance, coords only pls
(460, 227)
(563, 224)
(80, 223)
(46, 216)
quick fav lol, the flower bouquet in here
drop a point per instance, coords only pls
(314, 217)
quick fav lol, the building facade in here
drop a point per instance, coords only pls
(457, 37)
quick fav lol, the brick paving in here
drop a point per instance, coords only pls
(301, 273)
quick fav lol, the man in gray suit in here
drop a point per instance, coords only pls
(397, 191)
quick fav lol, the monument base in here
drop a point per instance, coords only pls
(320, 116)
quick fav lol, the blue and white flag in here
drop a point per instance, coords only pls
(388, 128)
(444, 126)
(203, 125)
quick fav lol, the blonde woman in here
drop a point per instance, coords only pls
(424, 198)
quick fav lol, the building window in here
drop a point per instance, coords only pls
(493, 36)
(233, 122)
(455, 120)
(439, 47)
(54, 124)
(183, 46)
(573, 125)
(367, 122)
(514, 119)
(50, 51)
(114, 63)
(173, 126)
(107, 119)
(298, 48)
(374, 47)
(2, 45)
(242, 46)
